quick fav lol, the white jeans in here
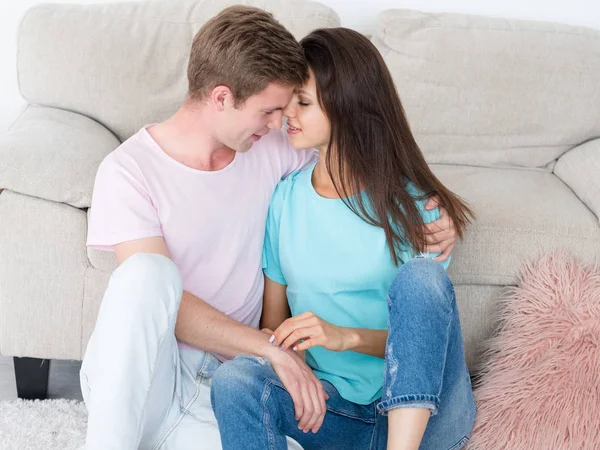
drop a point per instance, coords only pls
(140, 389)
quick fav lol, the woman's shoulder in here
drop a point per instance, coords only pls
(294, 182)
(282, 199)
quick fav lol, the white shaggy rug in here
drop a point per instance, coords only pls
(42, 425)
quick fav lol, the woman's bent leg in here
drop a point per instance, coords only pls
(255, 412)
(425, 363)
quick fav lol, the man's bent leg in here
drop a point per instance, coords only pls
(196, 428)
(131, 366)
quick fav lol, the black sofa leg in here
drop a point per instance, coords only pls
(32, 377)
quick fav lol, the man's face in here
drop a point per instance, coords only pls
(240, 127)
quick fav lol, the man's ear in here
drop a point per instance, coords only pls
(220, 97)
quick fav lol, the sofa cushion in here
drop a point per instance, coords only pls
(54, 155)
(125, 64)
(522, 213)
(493, 92)
(579, 168)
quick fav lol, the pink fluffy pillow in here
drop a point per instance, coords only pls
(539, 388)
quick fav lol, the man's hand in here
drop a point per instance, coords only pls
(304, 387)
(440, 235)
(313, 331)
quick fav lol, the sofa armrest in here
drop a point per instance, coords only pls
(579, 168)
(54, 154)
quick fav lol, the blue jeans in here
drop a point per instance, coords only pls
(424, 367)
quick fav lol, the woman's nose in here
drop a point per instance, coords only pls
(288, 111)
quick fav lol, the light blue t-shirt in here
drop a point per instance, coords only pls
(337, 266)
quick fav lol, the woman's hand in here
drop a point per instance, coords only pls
(314, 331)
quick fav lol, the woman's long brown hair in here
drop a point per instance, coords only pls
(373, 146)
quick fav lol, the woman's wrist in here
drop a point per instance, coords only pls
(350, 338)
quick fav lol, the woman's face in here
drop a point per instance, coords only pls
(308, 126)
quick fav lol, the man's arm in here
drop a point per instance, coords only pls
(202, 326)
(198, 323)
(292, 160)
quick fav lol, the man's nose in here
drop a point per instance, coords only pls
(275, 122)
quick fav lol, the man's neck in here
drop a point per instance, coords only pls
(187, 138)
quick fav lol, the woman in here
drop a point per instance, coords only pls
(376, 317)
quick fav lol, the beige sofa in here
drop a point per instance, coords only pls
(507, 112)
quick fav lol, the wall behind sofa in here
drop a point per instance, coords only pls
(357, 14)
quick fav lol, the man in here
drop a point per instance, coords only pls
(183, 206)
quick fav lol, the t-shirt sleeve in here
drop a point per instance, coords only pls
(122, 209)
(271, 262)
(293, 160)
(300, 159)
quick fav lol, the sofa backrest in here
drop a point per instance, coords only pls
(493, 92)
(124, 65)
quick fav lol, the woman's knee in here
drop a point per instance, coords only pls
(422, 278)
(241, 378)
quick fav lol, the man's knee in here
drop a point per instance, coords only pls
(147, 266)
(145, 279)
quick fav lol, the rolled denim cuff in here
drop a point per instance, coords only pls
(409, 401)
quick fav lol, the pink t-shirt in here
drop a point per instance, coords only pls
(212, 222)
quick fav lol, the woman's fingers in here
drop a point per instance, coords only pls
(305, 345)
(300, 334)
(290, 326)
